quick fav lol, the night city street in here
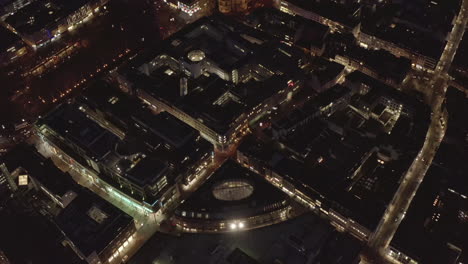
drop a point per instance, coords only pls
(233, 131)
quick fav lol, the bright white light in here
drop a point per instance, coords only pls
(233, 226)
(241, 225)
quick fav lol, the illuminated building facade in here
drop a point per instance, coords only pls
(190, 7)
(233, 6)
(215, 80)
(343, 16)
(333, 138)
(90, 226)
(238, 200)
(42, 22)
(119, 172)
(140, 158)
(419, 60)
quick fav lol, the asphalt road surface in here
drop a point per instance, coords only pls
(401, 201)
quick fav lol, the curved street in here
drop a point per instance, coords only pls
(436, 89)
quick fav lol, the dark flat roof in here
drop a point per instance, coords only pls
(111, 101)
(344, 14)
(422, 234)
(40, 168)
(205, 91)
(147, 171)
(87, 233)
(327, 178)
(394, 67)
(29, 237)
(8, 38)
(41, 14)
(214, 101)
(72, 124)
(34, 17)
(171, 129)
(214, 38)
(326, 159)
(392, 23)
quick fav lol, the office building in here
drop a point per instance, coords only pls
(215, 79)
(42, 22)
(91, 227)
(141, 167)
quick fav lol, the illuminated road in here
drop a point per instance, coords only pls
(400, 203)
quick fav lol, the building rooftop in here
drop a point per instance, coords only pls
(345, 14)
(91, 223)
(217, 102)
(153, 146)
(218, 43)
(324, 174)
(217, 89)
(408, 24)
(240, 257)
(231, 192)
(112, 102)
(169, 128)
(142, 170)
(381, 89)
(40, 168)
(42, 15)
(68, 121)
(394, 68)
(8, 38)
(34, 17)
(437, 221)
(288, 242)
(325, 70)
(312, 34)
(320, 146)
(300, 31)
(436, 224)
(26, 235)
